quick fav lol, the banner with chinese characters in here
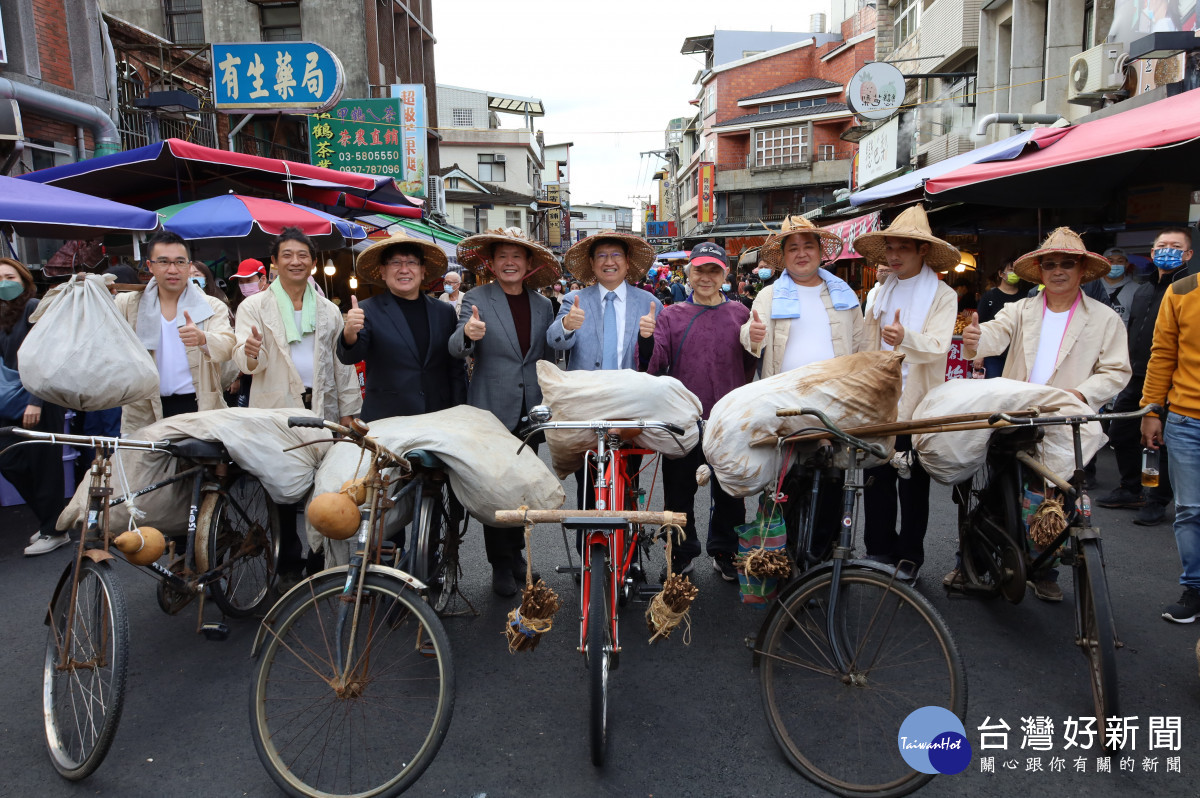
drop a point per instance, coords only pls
(852, 229)
(707, 178)
(554, 216)
(368, 136)
(279, 77)
(413, 136)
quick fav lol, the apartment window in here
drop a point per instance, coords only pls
(827, 152)
(781, 145)
(462, 117)
(512, 219)
(491, 170)
(737, 206)
(184, 21)
(1089, 20)
(470, 218)
(452, 183)
(907, 17)
(710, 99)
(280, 22)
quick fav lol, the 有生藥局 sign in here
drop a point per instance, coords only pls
(285, 77)
(378, 136)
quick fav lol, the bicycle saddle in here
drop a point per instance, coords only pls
(423, 458)
(196, 449)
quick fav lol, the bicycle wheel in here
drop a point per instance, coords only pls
(82, 699)
(373, 731)
(989, 530)
(238, 530)
(902, 658)
(599, 649)
(1097, 639)
(435, 545)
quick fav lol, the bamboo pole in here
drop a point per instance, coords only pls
(915, 427)
(557, 516)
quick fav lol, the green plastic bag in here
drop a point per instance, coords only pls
(769, 533)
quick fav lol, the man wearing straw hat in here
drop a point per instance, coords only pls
(1062, 337)
(502, 325)
(913, 313)
(808, 314)
(401, 334)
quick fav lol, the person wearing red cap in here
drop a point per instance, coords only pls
(250, 278)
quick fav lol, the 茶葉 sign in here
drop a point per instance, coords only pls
(283, 77)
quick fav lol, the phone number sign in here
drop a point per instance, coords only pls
(379, 136)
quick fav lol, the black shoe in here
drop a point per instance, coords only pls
(518, 570)
(679, 568)
(1186, 609)
(908, 572)
(1122, 498)
(723, 564)
(288, 579)
(1152, 514)
(503, 583)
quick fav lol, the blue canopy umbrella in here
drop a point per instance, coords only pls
(37, 210)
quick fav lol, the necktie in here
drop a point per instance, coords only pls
(609, 360)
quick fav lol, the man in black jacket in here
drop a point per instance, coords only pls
(1172, 250)
(401, 334)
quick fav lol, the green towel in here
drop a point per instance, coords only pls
(308, 311)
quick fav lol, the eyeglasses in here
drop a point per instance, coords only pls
(411, 263)
(1065, 265)
(178, 263)
(603, 256)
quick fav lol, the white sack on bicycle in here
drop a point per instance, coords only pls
(255, 440)
(853, 390)
(481, 457)
(82, 354)
(623, 395)
(951, 457)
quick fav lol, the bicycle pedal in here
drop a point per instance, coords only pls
(214, 631)
(568, 569)
(647, 592)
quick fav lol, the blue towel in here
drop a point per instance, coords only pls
(785, 299)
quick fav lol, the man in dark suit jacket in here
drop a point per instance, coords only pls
(401, 334)
(502, 325)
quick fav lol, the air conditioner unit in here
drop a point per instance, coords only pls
(1095, 72)
(435, 200)
(501, 157)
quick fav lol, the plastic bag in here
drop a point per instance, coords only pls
(619, 395)
(853, 390)
(769, 534)
(82, 354)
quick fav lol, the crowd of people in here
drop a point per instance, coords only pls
(1085, 327)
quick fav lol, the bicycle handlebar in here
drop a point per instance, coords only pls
(874, 449)
(601, 425)
(355, 433)
(1043, 421)
(37, 436)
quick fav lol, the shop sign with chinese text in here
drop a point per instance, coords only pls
(878, 152)
(279, 77)
(708, 173)
(380, 136)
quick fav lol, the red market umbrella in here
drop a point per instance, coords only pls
(232, 221)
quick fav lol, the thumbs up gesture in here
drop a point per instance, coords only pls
(190, 334)
(646, 324)
(574, 318)
(254, 343)
(475, 328)
(893, 333)
(758, 330)
(356, 318)
(970, 333)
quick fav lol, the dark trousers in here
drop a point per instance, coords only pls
(504, 544)
(679, 495)
(178, 404)
(585, 483)
(36, 470)
(1125, 435)
(884, 491)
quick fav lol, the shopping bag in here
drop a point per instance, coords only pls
(81, 352)
(764, 532)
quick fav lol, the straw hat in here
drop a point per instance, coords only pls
(911, 223)
(771, 253)
(475, 252)
(579, 257)
(436, 261)
(1066, 241)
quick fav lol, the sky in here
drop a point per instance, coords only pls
(610, 74)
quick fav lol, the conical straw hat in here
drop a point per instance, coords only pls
(475, 252)
(1066, 241)
(578, 259)
(368, 264)
(911, 223)
(771, 253)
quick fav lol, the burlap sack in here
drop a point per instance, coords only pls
(853, 390)
(621, 395)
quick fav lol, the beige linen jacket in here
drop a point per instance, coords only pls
(845, 326)
(205, 366)
(924, 351)
(276, 382)
(1093, 358)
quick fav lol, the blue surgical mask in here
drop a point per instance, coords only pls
(11, 289)
(199, 281)
(1167, 258)
(1117, 270)
(725, 286)
(764, 274)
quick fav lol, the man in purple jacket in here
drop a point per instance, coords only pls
(698, 343)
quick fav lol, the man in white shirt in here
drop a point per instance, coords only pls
(882, 271)
(453, 293)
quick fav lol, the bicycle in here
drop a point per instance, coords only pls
(614, 544)
(846, 640)
(997, 554)
(438, 527)
(353, 686)
(229, 554)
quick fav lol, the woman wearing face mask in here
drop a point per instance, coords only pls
(35, 471)
(203, 277)
(1009, 290)
(250, 278)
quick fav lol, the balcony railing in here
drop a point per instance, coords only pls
(823, 153)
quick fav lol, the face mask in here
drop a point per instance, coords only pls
(249, 288)
(451, 288)
(1167, 258)
(1013, 278)
(764, 274)
(199, 281)
(725, 286)
(1116, 271)
(11, 289)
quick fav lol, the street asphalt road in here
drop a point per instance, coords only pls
(685, 720)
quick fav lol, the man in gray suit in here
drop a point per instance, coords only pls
(502, 325)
